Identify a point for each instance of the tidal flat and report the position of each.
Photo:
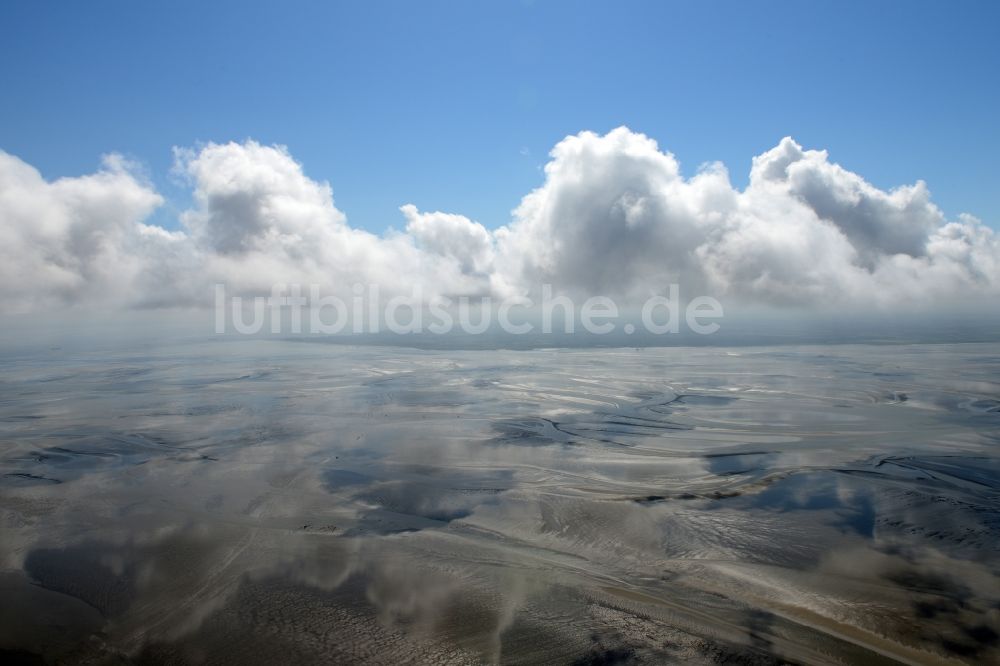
(268, 501)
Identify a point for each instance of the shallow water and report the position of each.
(256, 501)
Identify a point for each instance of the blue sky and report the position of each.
(453, 106)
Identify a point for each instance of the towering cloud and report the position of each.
(875, 222)
(72, 239)
(614, 216)
(258, 220)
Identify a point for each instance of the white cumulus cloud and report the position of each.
(613, 216)
(71, 239)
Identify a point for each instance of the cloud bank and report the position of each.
(614, 216)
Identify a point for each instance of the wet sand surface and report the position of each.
(277, 502)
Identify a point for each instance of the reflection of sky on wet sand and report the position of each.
(262, 501)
